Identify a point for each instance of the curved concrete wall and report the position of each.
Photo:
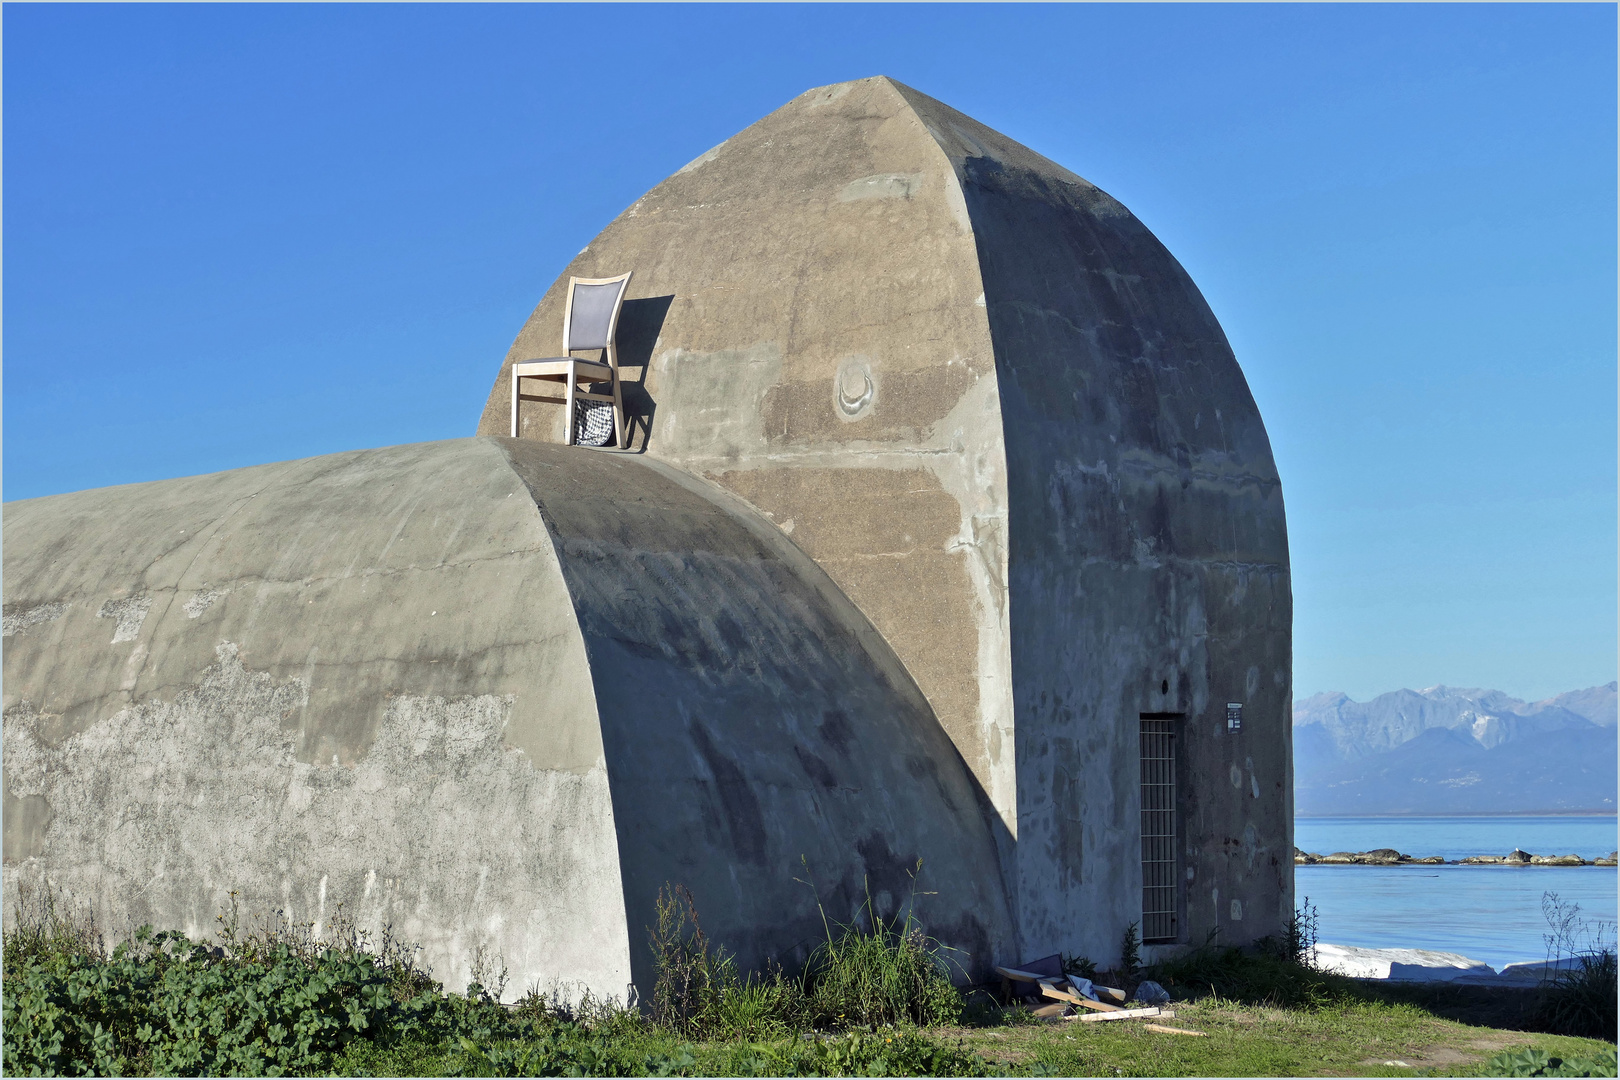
(353, 679)
(996, 411)
(1148, 562)
(756, 726)
(493, 693)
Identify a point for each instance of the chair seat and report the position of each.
(557, 367)
(579, 395)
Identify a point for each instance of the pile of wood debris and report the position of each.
(1070, 998)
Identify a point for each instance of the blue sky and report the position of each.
(238, 234)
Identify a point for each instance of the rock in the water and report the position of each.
(1384, 857)
(1339, 858)
(1518, 856)
(1430, 860)
(1557, 860)
(1482, 860)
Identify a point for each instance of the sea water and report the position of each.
(1454, 838)
(1489, 913)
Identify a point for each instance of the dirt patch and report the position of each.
(1448, 1055)
(1463, 1053)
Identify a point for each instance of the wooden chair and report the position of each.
(590, 320)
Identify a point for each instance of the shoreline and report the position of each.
(1396, 815)
(1403, 964)
(1391, 857)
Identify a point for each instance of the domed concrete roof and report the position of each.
(492, 692)
(1002, 418)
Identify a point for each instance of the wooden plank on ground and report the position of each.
(1020, 976)
(1100, 991)
(1075, 999)
(1127, 1014)
(1052, 991)
(1168, 1030)
(1099, 1006)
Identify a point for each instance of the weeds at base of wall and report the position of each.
(864, 975)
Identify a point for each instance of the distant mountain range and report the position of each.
(1447, 750)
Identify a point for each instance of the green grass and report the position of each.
(650, 1052)
(1349, 1039)
(1345, 1039)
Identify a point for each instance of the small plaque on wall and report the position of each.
(1234, 716)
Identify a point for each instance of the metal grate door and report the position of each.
(1158, 830)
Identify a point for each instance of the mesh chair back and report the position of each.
(591, 317)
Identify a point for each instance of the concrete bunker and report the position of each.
(951, 531)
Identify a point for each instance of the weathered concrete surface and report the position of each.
(985, 399)
(753, 719)
(492, 693)
(826, 355)
(1148, 564)
(353, 679)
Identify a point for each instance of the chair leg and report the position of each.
(620, 435)
(515, 378)
(568, 437)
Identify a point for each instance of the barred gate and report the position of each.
(1159, 896)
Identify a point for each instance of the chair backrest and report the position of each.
(592, 313)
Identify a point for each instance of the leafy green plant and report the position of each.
(1079, 966)
(265, 1002)
(1130, 952)
(167, 1005)
(1534, 1062)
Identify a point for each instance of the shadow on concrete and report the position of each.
(640, 322)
